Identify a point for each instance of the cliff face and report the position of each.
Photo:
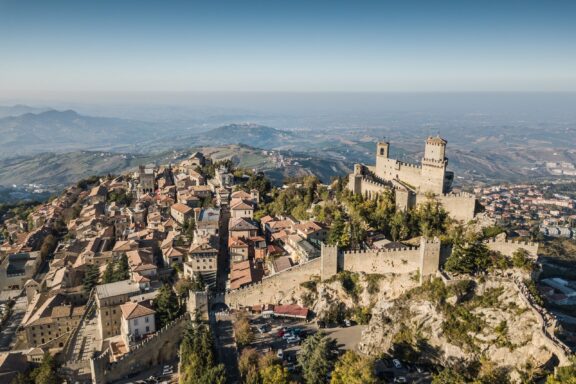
(464, 321)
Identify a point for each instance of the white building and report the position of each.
(137, 321)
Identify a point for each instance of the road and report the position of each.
(8, 334)
(226, 345)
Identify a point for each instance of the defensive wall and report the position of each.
(459, 206)
(508, 247)
(160, 348)
(273, 288)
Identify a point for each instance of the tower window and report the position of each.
(381, 151)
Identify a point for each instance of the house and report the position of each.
(312, 231)
(241, 208)
(238, 249)
(181, 213)
(244, 273)
(203, 259)
(207, 222)
(98, 194)
(137, 321)
(242, 228)
(141, 261)
(109, 298)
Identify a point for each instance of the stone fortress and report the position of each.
(413, 183)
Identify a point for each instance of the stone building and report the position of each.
(413, 184)
(109, 298)
(137, 321)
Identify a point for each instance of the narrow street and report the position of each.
(8, 334)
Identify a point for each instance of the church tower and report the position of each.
(434, 165)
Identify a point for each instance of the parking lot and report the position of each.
(347, 338)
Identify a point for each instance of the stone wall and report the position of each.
(272, 289)
(508, 247)
(402, 260)
(460, 206)
(160, 348)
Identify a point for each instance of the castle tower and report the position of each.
(382, 156)
(434, 165)
(429, 257)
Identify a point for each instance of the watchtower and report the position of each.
(434, 165)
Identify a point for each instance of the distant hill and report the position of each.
(61, 169)
(67, 130)
(19, 109)
(250, 134)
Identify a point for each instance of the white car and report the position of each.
(397, 363)
(293, 340)
(280, 354)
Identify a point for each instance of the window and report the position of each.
(147, 319)
(147, 328)
(135, 321)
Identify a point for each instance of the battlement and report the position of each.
(267, 278)
(514, 242)
(459, 195)
(376, 252)
(408, 165)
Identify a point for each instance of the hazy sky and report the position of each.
(270, 45)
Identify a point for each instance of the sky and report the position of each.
(73, 47)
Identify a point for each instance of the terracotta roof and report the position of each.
(291, 310)
(241, 205)
(132, 310)
(182, 208)
(241, 195)
(308, 227)
(242, 274)
(241, 224)
(234, 242)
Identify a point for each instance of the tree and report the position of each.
(91, 277)
(198, 365)
(21, 378)
(243, 331)
(248, 366)
(353, 369)
(122, 270)
(448, 376)
(316, 358)
(46, 373)
(564, 375)
(166, 306)
(274, 374)
(108, 276)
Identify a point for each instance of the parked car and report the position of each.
(400, 379)
(293, 340)
(288, 335)
(347, 323)
(280, 354)
(397, 363)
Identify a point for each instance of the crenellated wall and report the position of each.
(161, 347)
(508, 247)
(272, 289)
(460, 206)
(401, 260)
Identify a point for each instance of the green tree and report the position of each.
(198, 365)
(166, 306)
(46, 373)
(108, 276)
(316, 358)
(353, 369)
(274, 374)
(91, 277)
(449, 376)
(122, 270)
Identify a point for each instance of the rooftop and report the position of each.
(124, 287)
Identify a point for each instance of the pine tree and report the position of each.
(122, 271)
(91, 277)
(108, 276)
